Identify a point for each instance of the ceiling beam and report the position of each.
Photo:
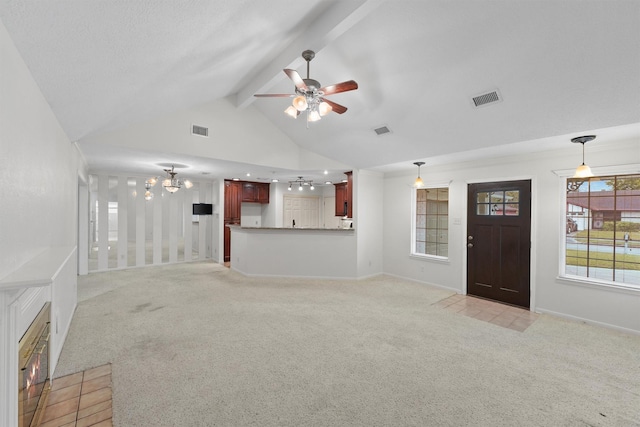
(329, 26)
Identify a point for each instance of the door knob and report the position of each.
(469, 245)
(470, 238)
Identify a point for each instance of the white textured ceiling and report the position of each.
(561, 67)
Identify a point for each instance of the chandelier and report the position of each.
(301, 183)
(170, 183)
(173, 184)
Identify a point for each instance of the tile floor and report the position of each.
(80, 400)
(499, 314)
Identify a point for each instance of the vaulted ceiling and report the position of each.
(560, 67)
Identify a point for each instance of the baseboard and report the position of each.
(422, 282)
(277, 276)
(588, 321)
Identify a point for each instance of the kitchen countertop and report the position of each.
(290, 228)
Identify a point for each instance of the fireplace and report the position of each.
(33, 370)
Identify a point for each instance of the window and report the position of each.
(431, 222)
(603, 228)
(498, 203)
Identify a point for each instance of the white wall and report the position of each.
(39, 174)
(600, 305)
(246, 137)
(368, 221)
(39, 168)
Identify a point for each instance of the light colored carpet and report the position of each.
(200, 345)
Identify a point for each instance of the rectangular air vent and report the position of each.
(486, 98)
(199, 130)
(382, 130)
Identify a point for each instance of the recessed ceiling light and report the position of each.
(275, 180)
(248, 174)
(327, 182)
(344, 180)
(326, 172)
(235, 179)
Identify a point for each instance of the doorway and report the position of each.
(499, 241)
(301, 211)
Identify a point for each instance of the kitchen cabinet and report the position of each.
(232, 200)
(232, 207)
(263, 193)
(255, 192)
(236, 193)
(344, 197)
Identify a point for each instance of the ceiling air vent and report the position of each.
(382, 130)
(199, 130)
(486, 98)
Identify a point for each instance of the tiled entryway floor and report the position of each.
(499, 314)
(80, 400)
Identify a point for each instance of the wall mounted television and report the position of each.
(202, 209)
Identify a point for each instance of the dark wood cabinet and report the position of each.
(344, 197)
(232, 207)
(255, 192)
(236, 193)
(342, 206)
(263, 193)
(232, 200)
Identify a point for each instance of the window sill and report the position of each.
(434, 258)
(598, 284)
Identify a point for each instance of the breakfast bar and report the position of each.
(328, 253)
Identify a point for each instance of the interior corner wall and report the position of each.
(594, 304)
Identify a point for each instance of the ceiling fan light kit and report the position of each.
(309, 94)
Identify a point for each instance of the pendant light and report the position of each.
(418, 183)
(583, 171)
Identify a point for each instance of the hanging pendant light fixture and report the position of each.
(583, 171)
(418, 182)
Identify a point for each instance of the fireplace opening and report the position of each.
(33, 369)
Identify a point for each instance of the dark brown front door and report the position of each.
(499, 241)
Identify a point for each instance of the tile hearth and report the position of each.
(80, 400)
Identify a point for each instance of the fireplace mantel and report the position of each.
(49, 277)
(40, 271)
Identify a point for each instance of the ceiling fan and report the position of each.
(309, 95)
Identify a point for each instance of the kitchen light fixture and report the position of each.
(418, 183)
(301, 183)
(582, 171)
